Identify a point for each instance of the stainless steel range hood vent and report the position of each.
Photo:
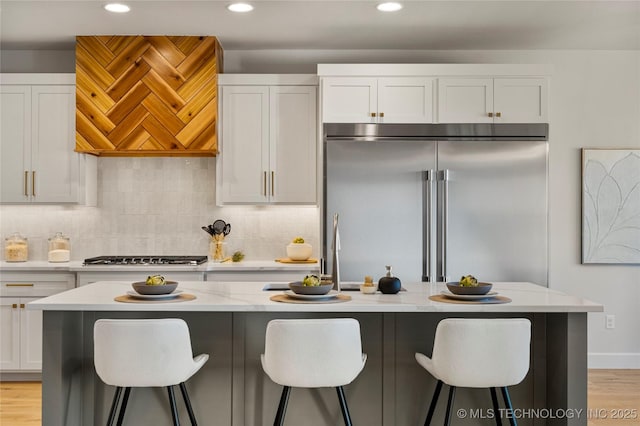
(454, 131)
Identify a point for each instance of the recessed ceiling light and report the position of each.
(390, 6)
(117, 7)
(240, 7)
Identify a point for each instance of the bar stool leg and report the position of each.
(343, 406)
(434, 401)
(507, 401)
(282, 407)
(114, 406)
(452, 394)
(123, 406)
(187, 402)
(496, 408)
(174, 408)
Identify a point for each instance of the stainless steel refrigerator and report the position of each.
(437, 201)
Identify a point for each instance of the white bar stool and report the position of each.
(313, 353)
(478, 353)
(145, 353)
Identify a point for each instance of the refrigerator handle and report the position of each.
(428, 176)
(444, 234)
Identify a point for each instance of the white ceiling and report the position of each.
(338, 24)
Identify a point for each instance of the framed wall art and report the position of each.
(611, 206)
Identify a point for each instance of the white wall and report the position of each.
(595, 102)
(37, 61)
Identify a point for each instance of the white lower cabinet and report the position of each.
(21, 335)
(9, 333)
(21, 328)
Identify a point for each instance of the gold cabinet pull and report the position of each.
(273, 179)
(381, 115)
(19, 285)
(498, 114)
(22, 305)
(33, 183)
(14, 306)
(373, 114)
(265, 184)
(490, 114)
(26, 178)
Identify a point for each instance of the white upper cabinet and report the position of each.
(292, 156)
(54, 164)
(377, 100)
(244, 145)
(520, 100)
(405, 100)
(488, 100)
(465, 100)
(38, 163)
(268, 145)
(349, 100)
(15, 143)
(434, 93)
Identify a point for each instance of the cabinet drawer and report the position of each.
(35, 284)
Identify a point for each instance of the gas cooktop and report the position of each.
(145, 260)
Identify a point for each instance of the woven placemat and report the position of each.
(286, 299)
(287, 260)
(125, 298)
(490, 300)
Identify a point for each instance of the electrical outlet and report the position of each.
(610, 321)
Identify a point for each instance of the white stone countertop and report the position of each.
(249, 297)
(77, 266)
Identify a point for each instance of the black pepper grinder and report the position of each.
(389, 284)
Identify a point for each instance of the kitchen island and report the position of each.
(228, 321)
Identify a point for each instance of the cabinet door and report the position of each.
(465, 100)
(15, 143)
(520, 100)
(9, 333)
(30, 337)
(405, 100)
(245, 144)
(293, 144)
(54, 163)
(349, 100)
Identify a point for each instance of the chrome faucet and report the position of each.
(335, 248)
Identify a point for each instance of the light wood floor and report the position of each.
(616, 395)
(612, 394)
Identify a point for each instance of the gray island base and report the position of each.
(228, 321)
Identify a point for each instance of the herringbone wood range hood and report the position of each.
(147, 95)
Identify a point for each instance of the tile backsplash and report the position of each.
(157, 206)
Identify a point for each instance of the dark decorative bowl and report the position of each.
(141, 287)
(481, 288)
(298, 288)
